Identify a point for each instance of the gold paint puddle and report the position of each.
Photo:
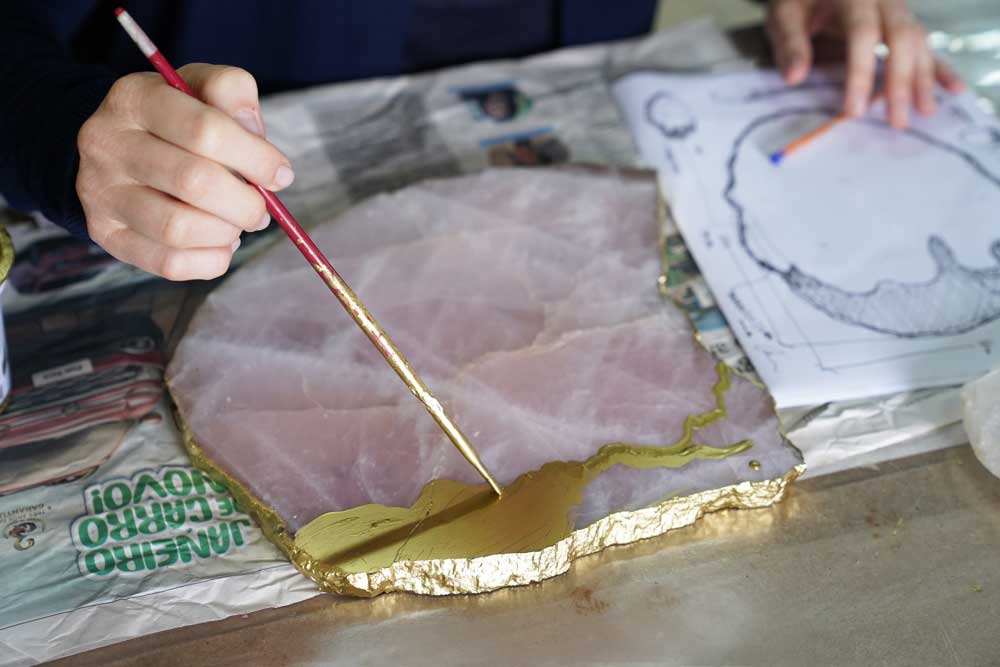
(460, 538)
(455, 520)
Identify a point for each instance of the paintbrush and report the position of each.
(348, 299)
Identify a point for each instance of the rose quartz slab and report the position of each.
(527, 301)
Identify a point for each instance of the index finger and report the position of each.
(861, 23)
(907, 45)
(786, 25)
(208, 132)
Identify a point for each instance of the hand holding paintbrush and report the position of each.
(159, 172)
(203, 140)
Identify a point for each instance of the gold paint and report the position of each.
(666, 292)
(501, 570)
(454, 520)
(661, 245)
(754, 465)
(459, 538)
(6, 262)
(6, 253)
(388, 349)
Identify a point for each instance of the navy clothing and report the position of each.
(58, 58)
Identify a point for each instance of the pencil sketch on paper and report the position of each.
(670, 116)
(757, 93)
(866, 263)
(673, 120)
(980, 135)
(956, 299)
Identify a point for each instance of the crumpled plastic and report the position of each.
(970, 40)
(981, 413)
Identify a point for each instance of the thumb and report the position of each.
(232, 90)
(788, 27)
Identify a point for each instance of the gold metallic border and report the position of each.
(489, 573)
(448, 576)
(6, 262)
(662, 206)
(6, 253)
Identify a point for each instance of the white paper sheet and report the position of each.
(865, 264)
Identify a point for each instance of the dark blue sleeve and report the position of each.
(46, 98)
(585, 22)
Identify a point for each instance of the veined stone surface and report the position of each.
(527, 301)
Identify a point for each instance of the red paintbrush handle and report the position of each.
(309, 250)
(169, 74)
(305, 244)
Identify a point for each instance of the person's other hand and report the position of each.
(157, 176)
(911, 68)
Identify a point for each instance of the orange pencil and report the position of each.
(779, 155)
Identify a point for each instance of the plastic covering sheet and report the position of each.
(967, 34)
(981, 411)
(134, 540)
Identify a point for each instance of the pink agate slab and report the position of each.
(527, 300)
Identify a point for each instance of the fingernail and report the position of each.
(251, 121)
(236, 244)
(264, 222)
(284, 177)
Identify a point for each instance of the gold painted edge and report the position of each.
(661, 213)
(490, 573)
(270, 523)
(6, 253)
(451, 576)
(6, 262)
(662, 206)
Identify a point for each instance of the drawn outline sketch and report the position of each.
(673, 119)
(891, 317)
(898, 309)
(670, 116)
